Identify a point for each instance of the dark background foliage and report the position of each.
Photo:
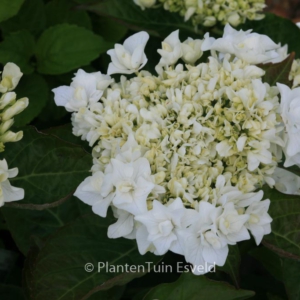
(46, 239)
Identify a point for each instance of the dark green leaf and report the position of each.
(278, 72)
(279, 29)
(291, 278)
(114, 293)
(65, 47)
(8, 260)
(232, 264)
(9, 8)
(64, 132)
(27, 275)
(109, 29)
(18, 48)
(35, 88)
(63, 11)
(193, 287)
(52, 115)
(39, 224)
(84, 1)
(49, 169)
(59, 268)
(10, 292)
(274, 297)
(30, 17)
(2, 226)
(285, 236)
(269, 260)
(159, 21)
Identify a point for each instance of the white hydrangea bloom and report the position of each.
(259, 222)
(132, 185)
(253, 48)
(8, 193)
(129, 57)
(231, 224)
(163, 222)
(96, 190)
(290, 111)
(202, 242)
(191, 50)
(178, 155)
(86, 88)
(171, 49)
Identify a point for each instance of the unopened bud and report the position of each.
(10, 136)
(15, 109)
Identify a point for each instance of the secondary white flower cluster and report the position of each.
(178, 155)
(209, 12)
(9, 107)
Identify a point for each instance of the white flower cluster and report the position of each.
(9, 107)
(209, 12)
(178, 156)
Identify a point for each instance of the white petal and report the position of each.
(13, 172)
(63, 95)
(217, 256)
(140, 38)
(141, 237)
(11, 193)
(100, 208)
(122, 227)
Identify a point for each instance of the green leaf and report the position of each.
(278, 72)
(9, 8)
(18, 47)
(279, 29)
(269, 260)
(285, 236)
(84, 1)
(291, 278)
(159, 21)
(10, 292)
(65, 47)
(30, 17)
(109, 29)
(232, 264)
(64, 132)
(28, 269)
(40, 223)
(115, 293)
(193, 287)
(35, 88)
(49, 169)
(8, 260)
(63, 11)
(2, 227)
(59, 268)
